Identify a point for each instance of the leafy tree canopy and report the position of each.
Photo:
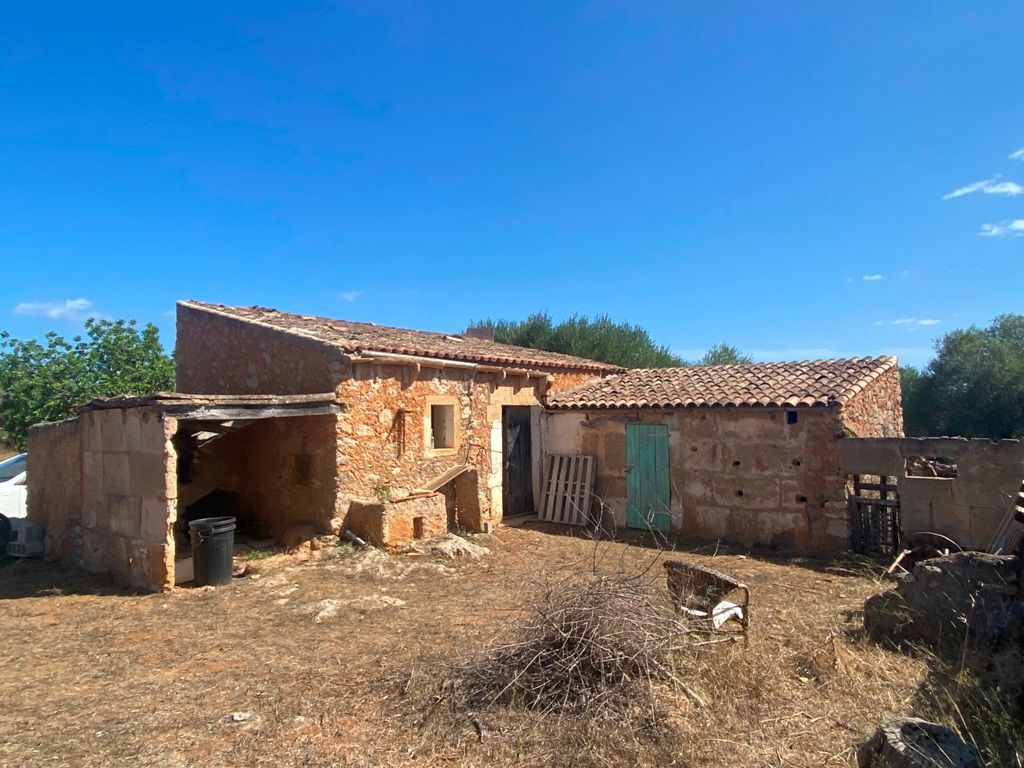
(974, 387)
(724, 354)
(43, 381)
(600, 338)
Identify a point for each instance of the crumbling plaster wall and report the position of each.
(282, 469)
(967, 508)
(877, 411)
(129, 498)
(383, 438)
(55, 485)
(218, 354)
(793, 494)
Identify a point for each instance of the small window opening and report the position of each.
(791, 417)
(693, 448)
(797, 462)
(417, 527)
(739, 493)
(801, 499)
(736, 463)
(931, 466)
(442, 426)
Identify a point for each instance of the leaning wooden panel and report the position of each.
(568, 488)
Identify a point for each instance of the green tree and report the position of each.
(975, 385)
(599, 338)
(915, 415)
(44, 381)
(724, 354)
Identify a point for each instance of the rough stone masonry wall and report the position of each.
(216, 354)
(744, 475)
(878, 410)
(383, 437)
(129, 495)
(55, 485)
(967, 508)
(282, 470)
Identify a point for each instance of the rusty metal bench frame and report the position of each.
(696, 587)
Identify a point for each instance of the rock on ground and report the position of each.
(908, 742)
(451, 546)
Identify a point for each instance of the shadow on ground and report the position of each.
(31, 577)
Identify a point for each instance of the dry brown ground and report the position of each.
(97, 677)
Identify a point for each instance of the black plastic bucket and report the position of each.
(213, 543)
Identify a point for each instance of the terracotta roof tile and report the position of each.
(813, 383)
(353, 338)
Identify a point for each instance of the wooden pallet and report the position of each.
(1008, 535)
(568, 489)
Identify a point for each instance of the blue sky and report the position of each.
(777, 175)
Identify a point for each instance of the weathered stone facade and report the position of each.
(745, 475)
(55, 486)
(107, 500)
(878, 410)
(219, 354)
(387, 523)
(765, 476)
(383, 437)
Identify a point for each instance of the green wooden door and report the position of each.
(647, 477)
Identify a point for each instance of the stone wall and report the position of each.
(55, 485)
(219, 354)
(943, 598)
(397, 523)
(129, 495)
(744, 475)
(282, 471)
(384, 437)
(967, 508)
(877, 411)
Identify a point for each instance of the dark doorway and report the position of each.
(518, 460)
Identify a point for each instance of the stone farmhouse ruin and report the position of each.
(303, 426)
(744, 452)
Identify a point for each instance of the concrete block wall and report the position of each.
(745, 475)
(967, 508)
(129, 495)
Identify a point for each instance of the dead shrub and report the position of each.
(588, 644)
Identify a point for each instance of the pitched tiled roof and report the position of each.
(805, 384)
(354, 338)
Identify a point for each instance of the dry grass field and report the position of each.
(336, 660)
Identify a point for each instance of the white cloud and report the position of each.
(349, 295)
(69, 309)
(1018, 155)
(909, 321)
(1007, 228)
(989, 186)
(874, 277)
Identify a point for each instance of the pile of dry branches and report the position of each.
(588, 644)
